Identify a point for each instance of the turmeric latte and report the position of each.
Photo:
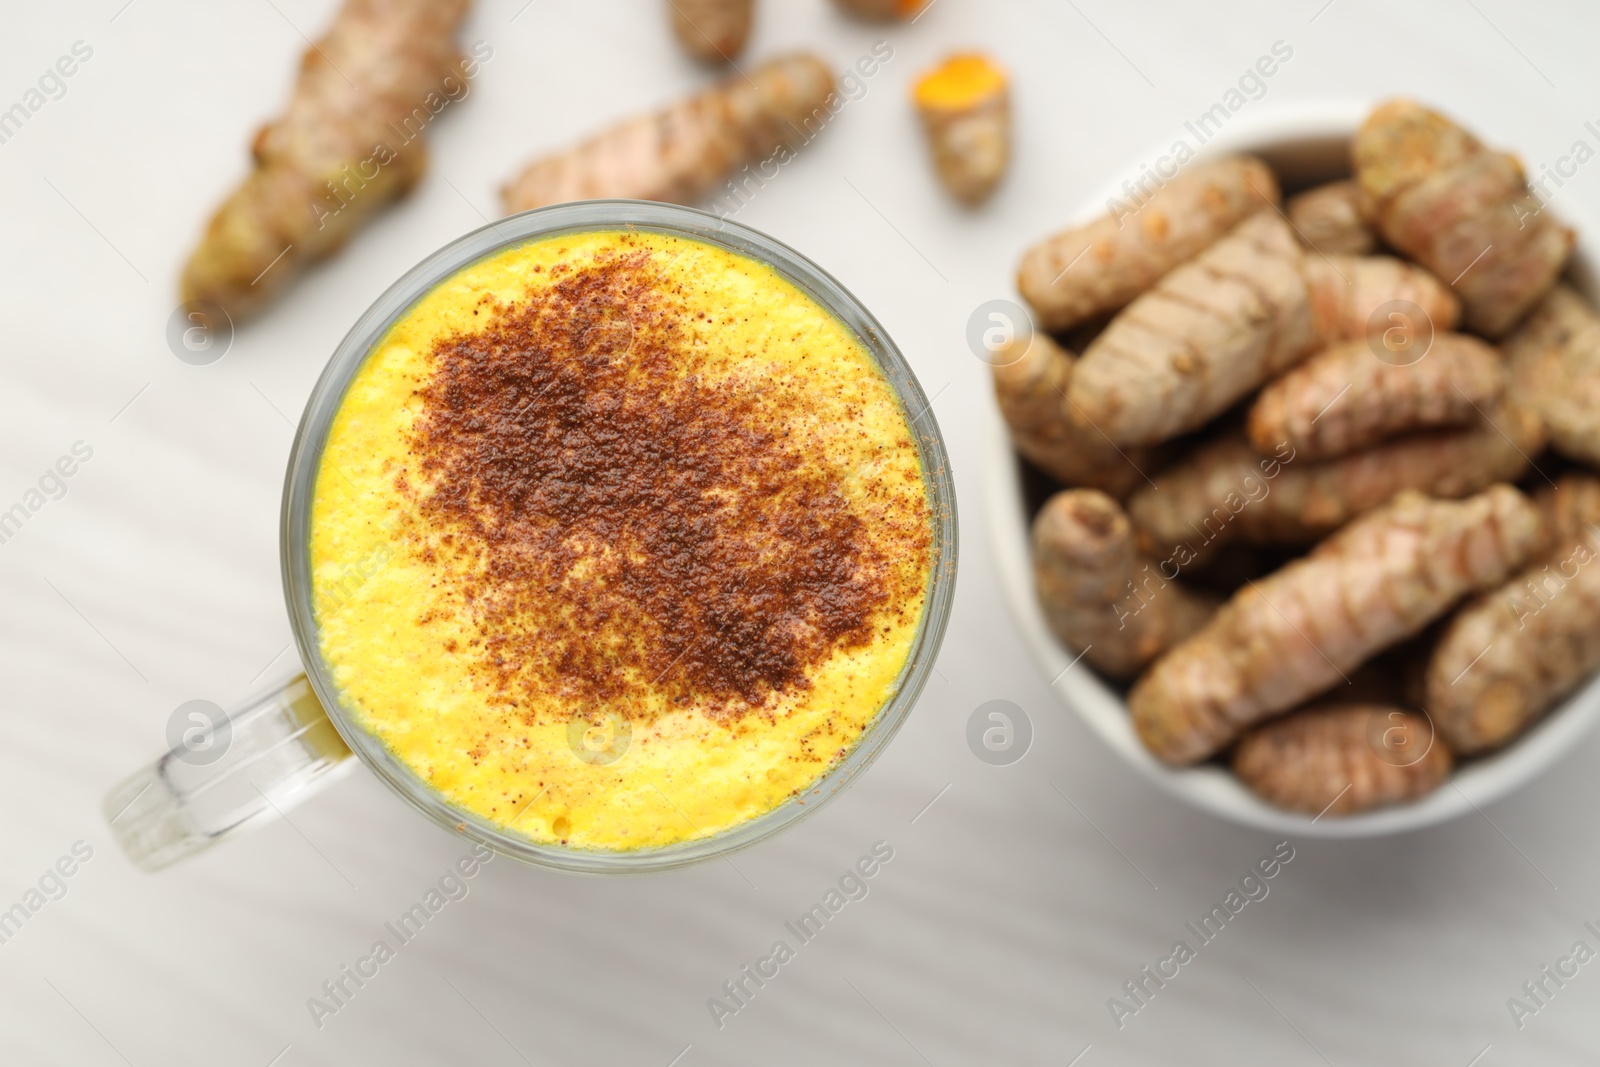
(618, 540)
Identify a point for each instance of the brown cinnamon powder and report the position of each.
(621, 527)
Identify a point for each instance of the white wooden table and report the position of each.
(1007, 916)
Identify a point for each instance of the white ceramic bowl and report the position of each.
(1303, 143)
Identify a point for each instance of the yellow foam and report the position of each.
(410, 682)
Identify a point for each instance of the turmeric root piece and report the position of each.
(1345, 399)
(1349, 292)
(1341, 759)
(965, 106)
(1300, 630)
(1554, 361)
(882, 10)
(679, 155)
(1100, 267)
(1031, 389)
(1207, 334)
(1245, 309)
(1437, 194)
(364, 93)
(1328, 219)
(1099, 594)
(1227, 490)
(1508, 656)
(713, 31)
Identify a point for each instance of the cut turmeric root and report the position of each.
(1340, 759)
(1298, 631)
(1328, 219)
(713, 31)
(1099, 594)
(681, 154)
(965, 105)
(1100, 267)
(1031, 378)
(1345, 399)
(1227, 491)
(1511, 654)
(1554, 361)
(1438, 195)
(348, 143)
(882, 10)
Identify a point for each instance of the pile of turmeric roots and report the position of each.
(1293, 436)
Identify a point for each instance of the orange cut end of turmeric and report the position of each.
(960, 82)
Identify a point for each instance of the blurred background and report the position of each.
(1019, 897)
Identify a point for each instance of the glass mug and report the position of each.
(277, 747)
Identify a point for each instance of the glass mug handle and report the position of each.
(245, 766)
